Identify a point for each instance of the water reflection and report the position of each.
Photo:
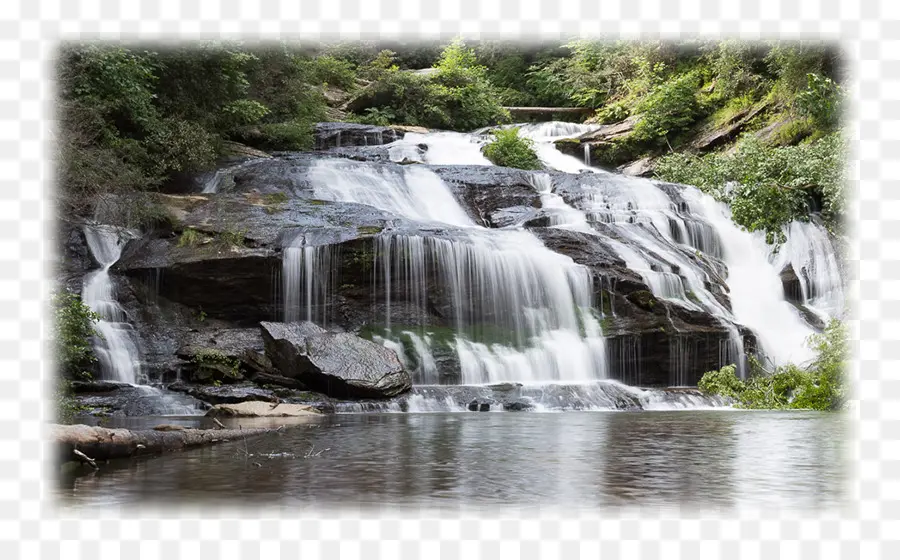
(705, 458)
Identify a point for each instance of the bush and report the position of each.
(821, 386)
(822, 101)
(671, 107)
(72, 329)
(508, 149)
(767, 187)
(458, 96)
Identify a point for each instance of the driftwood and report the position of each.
(88, 444)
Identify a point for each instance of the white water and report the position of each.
(809, 252)
(503, 280)
(509, 279)
(115, 347)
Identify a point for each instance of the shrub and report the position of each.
(822, 101)
(457, 96)
(508, 149)
(767, 187)
(189, 238)
(671, 107)
(821, 386)
(72, 329)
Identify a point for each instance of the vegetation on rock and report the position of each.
(73, 327)
(509, 149)
(822, 385)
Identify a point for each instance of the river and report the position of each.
(704, 458)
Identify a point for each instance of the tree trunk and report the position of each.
(101, 444)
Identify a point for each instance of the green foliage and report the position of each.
(671, 107)
(190, 238)
(511, 150)
(722, 382)
(132, 119)
(213, 358)
(72, 329)
(231, 238)
(456, 96)
(767, 186)
(64, 397)
(820, 386)
(821, 101)
(734, 65)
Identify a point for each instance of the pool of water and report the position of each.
(718, 458)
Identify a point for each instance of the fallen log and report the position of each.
(80, 442)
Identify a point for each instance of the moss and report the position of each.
(217, 362)
(231, 238)
(369, 230)
(317, 202)
(643, 299)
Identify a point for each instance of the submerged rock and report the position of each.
(339, 365)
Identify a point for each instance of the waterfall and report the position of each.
(587, 154)
(809, 251)
(521, 312)
(115, 347)
(534, 304)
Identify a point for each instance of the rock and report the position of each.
(233, 343)
(254, 409)
(408, 128)
(338, 134)
(225, 394)
(278, 380)
(640, 168)
(718, 135)
(479, 406)
(97, 386)
(792, 284)
(340, 365)
(518, 406)
(240, 150)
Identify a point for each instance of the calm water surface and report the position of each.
(593, 459)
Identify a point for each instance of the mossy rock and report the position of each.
(643, 299)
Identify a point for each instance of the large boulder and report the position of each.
(340, 365)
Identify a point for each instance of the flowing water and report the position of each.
(726, 459)
(505, 277)
(115, 345)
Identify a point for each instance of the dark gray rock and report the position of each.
(225, 394)
(340, 365)
(341, 134)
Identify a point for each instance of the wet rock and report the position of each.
(479, 406)
(339, 365)
(130, 400)
(225, 394)
(518, 406)
(338, 134)
(96, 386)
(792, 284)
(233, 343)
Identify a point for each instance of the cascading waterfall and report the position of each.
(521, 312)
(115, 347)
(502, 282)
(809, 252)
